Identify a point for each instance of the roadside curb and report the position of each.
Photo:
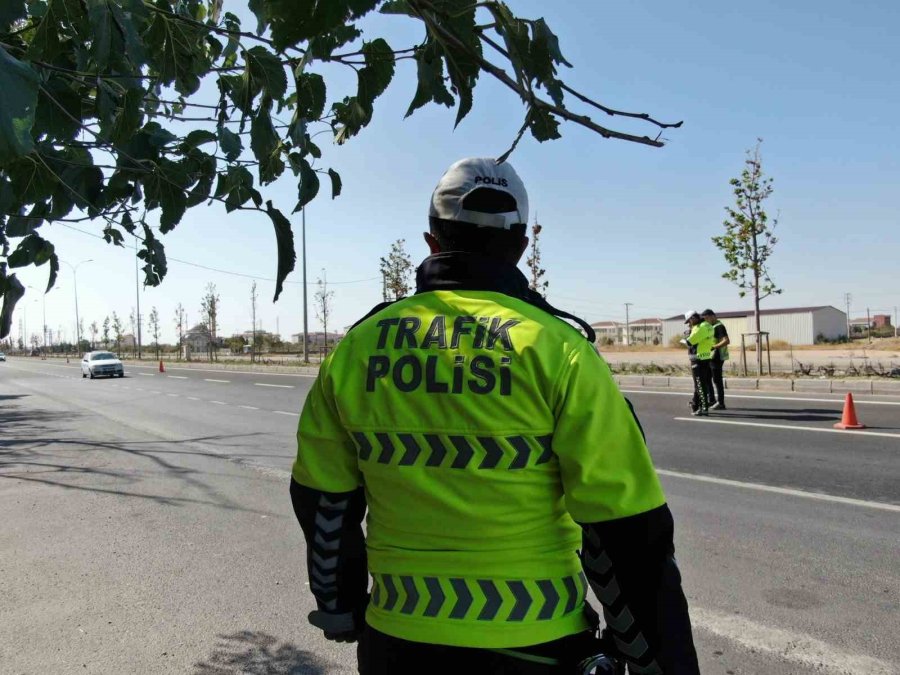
(823, 386)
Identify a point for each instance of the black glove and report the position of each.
(337, 627)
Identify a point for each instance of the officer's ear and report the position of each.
(523, 246)
(433, 246)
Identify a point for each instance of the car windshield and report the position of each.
(102, 356)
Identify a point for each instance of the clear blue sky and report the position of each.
(818, 81)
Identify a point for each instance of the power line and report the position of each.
(218, 270)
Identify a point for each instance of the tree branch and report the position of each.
(535, 101)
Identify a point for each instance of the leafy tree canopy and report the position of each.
(103, 117)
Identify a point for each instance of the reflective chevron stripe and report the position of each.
(506, 600)
(325, 549)
(625, 630)
(454, 451)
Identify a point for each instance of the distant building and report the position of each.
(316, 338)
(197, 338)
(640, 331)
(794, 325)
(864, 323)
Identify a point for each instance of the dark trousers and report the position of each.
(381, 654)
(718, 381)
(702, 374)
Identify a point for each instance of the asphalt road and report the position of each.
(146, 527)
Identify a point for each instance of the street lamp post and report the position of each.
(74, 269)
(44, 337)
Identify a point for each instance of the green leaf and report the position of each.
(230, 143)
(309, 185)
(378, 72)
(12, 291)
(543, 125)
(19, 84)
(335, 183)
(54, 272)
(85, 184)
(396, 7)
(10, 12)
(310, 96)
(58, 111)
(258, 7)
(285, 240)
(200, 192)
(543, 35)
(265, 144)
(112, 236)
(431, 86)
(197, 138)
(154, 255)
(32, 250)
(266, 71)
(19, 226)
(293, 21)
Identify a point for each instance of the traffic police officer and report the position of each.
(489, 443)
(700, 342)
(719, 357)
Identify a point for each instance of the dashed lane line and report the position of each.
(209, 379)
(278, 386)
(284, 412)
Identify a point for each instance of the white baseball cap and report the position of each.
(688, 315)
(473, 173)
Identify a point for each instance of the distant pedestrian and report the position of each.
(719, 357)
(699, 342)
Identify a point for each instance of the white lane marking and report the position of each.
(192, 398)
(248, 407)
(280, 386)
(283, 412)
(177, 377)
(220, 370)
(174, 395)
(219, 402)
(838, 401)
(788, 646)
(794, 427)
(883, 506)
(208, 379)
(146, 374)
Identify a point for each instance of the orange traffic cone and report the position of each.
(162, 368)
(848, 419)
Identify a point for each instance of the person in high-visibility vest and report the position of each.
(489, 443)
(700, 346)
(719, 357)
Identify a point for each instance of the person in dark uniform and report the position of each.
(699, 341)
(719, 357)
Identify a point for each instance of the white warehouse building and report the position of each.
(794, 325)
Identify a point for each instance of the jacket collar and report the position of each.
(460, 271)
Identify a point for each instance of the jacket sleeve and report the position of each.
(612, 491)
(330, 504)
(695, 336)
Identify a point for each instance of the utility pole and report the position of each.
(847, 299)
(627, 324)
(868, 324)
(137, 294)
(895, 322)
(305, 315)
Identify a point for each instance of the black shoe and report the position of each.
(704, 412)
(712, 403)
(718, 406)
(692, 406)
(697, 412)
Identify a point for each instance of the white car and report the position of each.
(101, 364)
(2, 356)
